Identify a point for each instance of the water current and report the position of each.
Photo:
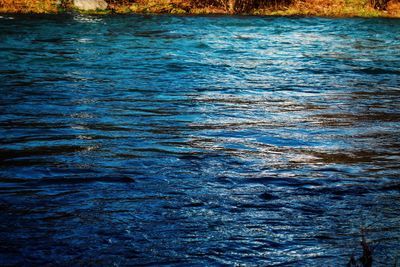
(198, 141)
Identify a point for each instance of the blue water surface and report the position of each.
(198, 141)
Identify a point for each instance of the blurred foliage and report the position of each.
(343, 8)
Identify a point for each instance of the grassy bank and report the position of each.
(328, 8)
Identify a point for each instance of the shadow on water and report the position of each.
(141, 140)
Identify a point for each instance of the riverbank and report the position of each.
(322, 8)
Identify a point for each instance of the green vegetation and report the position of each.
(331, 8)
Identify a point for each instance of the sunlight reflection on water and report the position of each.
(130, 140)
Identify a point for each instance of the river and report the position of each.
(198, 141)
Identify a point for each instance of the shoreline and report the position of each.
(334, 9)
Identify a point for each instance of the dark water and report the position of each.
(192, 141)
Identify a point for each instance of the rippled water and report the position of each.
(160, 140)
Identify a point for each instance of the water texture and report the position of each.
(193, 141)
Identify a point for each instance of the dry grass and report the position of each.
(159, 6)
(28, 6)
(393, 8)
(316, 8)
(331, 8)
(336, 8)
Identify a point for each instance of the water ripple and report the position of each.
(162, 140)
